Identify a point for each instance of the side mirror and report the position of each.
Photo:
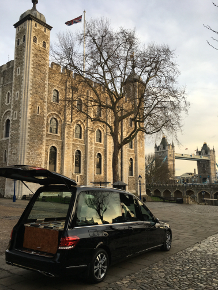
(157, 220)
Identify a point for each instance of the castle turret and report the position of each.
(29, 92)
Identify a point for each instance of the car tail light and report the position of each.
(68, 242)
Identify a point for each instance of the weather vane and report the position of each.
(34, 4)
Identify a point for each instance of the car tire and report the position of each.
(98, 266)
(167, 241)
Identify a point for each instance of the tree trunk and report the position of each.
(115, 155)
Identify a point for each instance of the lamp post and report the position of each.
(140, 183)
(14, 196)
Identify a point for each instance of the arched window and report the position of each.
(98, 136)
(44, 44)
(55, 96)
(54, 126)
(130, 167)
(98, 164)
(79, 105)
(7, 128)
(52, 158)
(131, 144)
(77, 161)
(78, 132)
(35, 39)
(24, 38)
(8, 96)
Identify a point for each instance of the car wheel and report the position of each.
(98, 267)
(167, 242)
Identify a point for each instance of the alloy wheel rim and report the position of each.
(100, 266)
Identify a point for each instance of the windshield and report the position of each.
(50, 206)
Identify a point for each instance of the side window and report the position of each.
(98, 207)
(145, 212)
(130, 210)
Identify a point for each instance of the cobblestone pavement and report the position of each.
(193, 268)
(191, 263)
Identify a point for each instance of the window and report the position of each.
(98, 164)
(98, 136)
(77, 161)
(79, 105)
(98, 112)
(8, 98)
(7, 128)
(35, 24)
(34, 39)
(17, 96)
(130, 167)
(24, 38)
(145, 212)
(15, 115)
(18, 71)
(98, 207)
(54, 126)
(44, 44)
(78, 132)
(44, 29)
(55, 96)
(52, 158)
(130, 122)
(5, 156)
(38, 110)
(18, 42)
(130, 208)
(131, 144)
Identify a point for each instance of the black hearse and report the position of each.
(66, 228)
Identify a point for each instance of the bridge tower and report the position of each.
(206, 168)
(166, 152)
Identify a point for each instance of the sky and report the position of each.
(179, 24)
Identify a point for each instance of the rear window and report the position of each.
(51, 206)
(98, 207)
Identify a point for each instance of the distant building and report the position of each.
(205, 158)
(166, 152)
(206, 169)
(189, 177)
(39, 127)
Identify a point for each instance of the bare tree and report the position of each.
(99, 202)
(156, 170)
(128, 82)
(214, 31)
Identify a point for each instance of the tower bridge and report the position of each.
(205, 158)
(191, 157)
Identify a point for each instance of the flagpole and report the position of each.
(84, 43)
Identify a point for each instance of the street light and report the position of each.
(140, 182)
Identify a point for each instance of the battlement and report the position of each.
(6, 66)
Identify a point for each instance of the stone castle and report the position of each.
(39, 126)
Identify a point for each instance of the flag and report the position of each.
(74, 21)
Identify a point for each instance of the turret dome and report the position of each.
(33, 12)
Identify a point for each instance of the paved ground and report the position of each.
(191, 264)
